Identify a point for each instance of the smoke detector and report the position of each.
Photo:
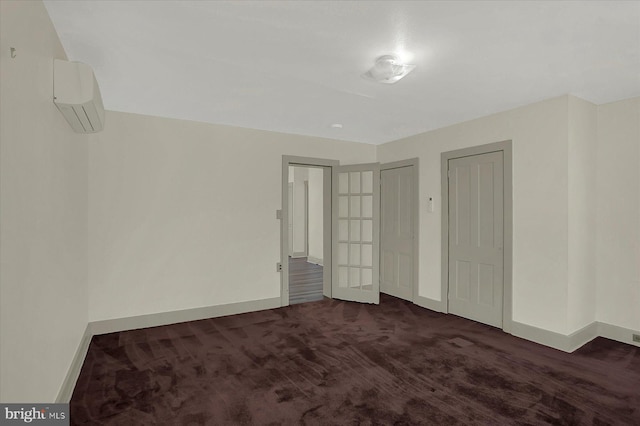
(388, 69)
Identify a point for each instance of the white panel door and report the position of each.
(396, 232)
(476, 237)
(356, 220)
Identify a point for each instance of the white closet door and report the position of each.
(476, 237)
(397, 233)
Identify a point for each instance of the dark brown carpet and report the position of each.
(342, 363)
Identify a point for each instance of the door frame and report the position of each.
(415, 162)
(305, 219)
(327, 166)
(507, 156)
(290, 193)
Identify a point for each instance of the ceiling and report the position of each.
(295, 67)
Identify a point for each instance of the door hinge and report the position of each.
(449, 174)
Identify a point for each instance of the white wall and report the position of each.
(618, 214)
(540, 203)
(576, 212)
(582, 137)
(300, 176)
(173, 226)
(314, 246)
(168, 224)
(43, 221)
(316, 202)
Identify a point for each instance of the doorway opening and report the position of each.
(306, 233)
(347, 261)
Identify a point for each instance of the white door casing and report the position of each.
(290, 218)
(306, 218)
(288, 162)
(476, 218)
(397, 233)
(356, 232)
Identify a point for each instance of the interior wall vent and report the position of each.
(77, 96)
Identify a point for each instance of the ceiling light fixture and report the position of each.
(388, 69)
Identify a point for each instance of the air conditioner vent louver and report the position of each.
(77, 96)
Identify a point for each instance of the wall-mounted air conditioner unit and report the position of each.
(77, 96)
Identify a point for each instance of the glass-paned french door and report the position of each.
(356, 218)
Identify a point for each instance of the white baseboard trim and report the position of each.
(539, 335)
(315, 260)
(566, 343)
(573, 341)
(620, 334)
(298, 254)
(69, 383)
(581, 337)
(151, 320)
(563, 342)
(425, 302)
(164, 318)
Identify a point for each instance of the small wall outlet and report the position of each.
(636, 338)
(278, 267)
